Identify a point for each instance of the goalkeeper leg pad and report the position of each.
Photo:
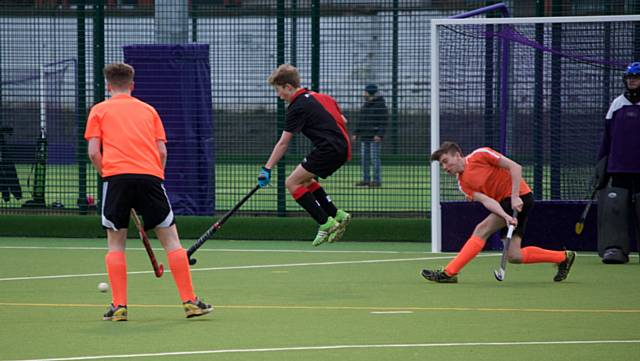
(613, 224)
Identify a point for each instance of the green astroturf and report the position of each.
(290, 301)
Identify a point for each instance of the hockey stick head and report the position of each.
(499, 274)
(159, 271)
(192, 261)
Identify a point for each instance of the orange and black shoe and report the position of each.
(196, 308)
(114, 313)
(439, 276)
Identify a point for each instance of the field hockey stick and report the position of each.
(503, 260)
(583, 216)
(216, 226)
(158, 269)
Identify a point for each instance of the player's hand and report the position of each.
(510, 220)
(516, 204)
(377, 139)
(264, 177)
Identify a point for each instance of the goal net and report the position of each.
(535, 89)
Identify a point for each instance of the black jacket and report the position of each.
(373, 119)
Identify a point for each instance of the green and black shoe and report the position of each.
(439, 276)
(343, 219)
(565, 266)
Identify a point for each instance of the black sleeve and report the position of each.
(295, 119)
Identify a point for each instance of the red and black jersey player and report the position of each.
(319, 118)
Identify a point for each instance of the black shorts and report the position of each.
(523, 216)
(144, 193)
(324, 162)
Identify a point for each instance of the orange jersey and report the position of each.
(128, 129)
(483, 174)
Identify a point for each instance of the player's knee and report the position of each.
(515, 259)
(482, 230)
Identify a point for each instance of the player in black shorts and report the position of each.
(320, 119)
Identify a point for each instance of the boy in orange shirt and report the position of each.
(494, 180)
(127, 148)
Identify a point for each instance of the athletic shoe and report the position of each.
(362, 184)
(565, 266)
(115, 313)
(325, 231)
(343, 218)
(375, 184)
(196, 308)
(439, 276)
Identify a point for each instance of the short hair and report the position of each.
(445, 148)
(285, 74)
(119, 75)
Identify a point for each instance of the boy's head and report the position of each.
(285, 80)
(450, 157)
(119, 77)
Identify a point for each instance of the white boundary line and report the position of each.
(78, 248)
(341, 347)
(329, 263)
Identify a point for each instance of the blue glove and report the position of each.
(265, 177)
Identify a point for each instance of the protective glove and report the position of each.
(264, 177)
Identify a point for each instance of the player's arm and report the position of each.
(279, 149)
(515, 170)
(494, 207)
(162, 150)
(95, 155)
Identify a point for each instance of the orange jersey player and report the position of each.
(494, 180)
(127, 148)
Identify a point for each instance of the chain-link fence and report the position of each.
(52, 53)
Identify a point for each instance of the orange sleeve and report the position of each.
(488, 156)
(93, 125)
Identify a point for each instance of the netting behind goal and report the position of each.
(535, 89)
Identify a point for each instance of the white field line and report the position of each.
(78, 248)
(329, 263)
(343, 347)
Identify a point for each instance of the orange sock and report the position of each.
(117, 271)
(541, 255)
(471, 248)
(179, 264)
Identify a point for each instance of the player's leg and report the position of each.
(115, 219)
(156, 210)
(329, 207)
(296, 184)
(376, 164)
(471, 248)
(614, 209)
(532, 254)
(365, 159)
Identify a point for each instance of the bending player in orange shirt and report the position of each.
(494, 180)
(127, 147)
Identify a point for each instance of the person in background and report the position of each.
(370, 131)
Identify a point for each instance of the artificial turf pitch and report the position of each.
(290, 301)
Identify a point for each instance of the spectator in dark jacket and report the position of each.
(370, 131)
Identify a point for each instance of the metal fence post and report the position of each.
(81, 106)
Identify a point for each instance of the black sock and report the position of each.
(310, 204)
(325, 201)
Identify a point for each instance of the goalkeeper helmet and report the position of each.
(633, 69)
